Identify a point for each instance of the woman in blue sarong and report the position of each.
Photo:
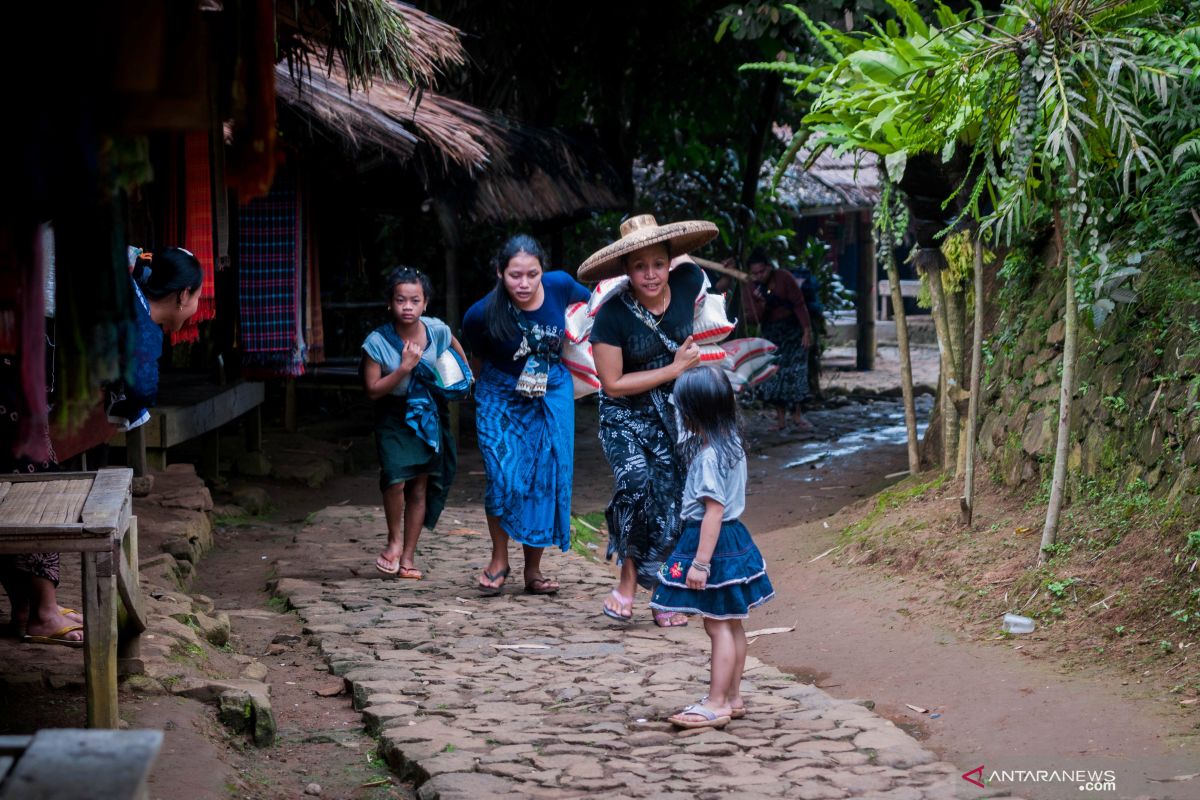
(525, 410)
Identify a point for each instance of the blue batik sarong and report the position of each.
(528, 446)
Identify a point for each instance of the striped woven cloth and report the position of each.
(269, 284)
(198, 228)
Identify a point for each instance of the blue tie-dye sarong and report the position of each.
(528, 446)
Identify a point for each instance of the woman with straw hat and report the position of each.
(642, 341)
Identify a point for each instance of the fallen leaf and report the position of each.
(1191, 702)
(769, 631)
(521, 646)
(1021, 531)
(1177, 778)
(827, 552)
(330, 689)
(463, 532)
(373, 784)
(917, 709)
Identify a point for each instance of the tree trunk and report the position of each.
(1065, 397)
(968, 506)
(906, 379)
(930, 259)
(864, 298)
(956, 317)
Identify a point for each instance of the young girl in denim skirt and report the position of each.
(715, 571)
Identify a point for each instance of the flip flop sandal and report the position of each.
(381, 565)
(530, 590)
(58, 637)
(734, 713)
(493, 591)
(663, 619)
(409, 573)
(624, 602)
(710, 718)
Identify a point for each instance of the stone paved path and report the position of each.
(534, 696)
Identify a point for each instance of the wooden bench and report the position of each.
(90, 513)
(188, 409)
(71, 764)
(907, 289)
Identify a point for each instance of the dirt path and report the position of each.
(861, 635)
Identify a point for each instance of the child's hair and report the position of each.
(166, 272)
(401, 275)
(498, 308)
(709, 413)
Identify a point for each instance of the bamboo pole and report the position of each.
(1065, 399)
(906, 379)
(968, 505)
(951, 386)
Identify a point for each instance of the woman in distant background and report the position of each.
(775, 301)
(525, 410)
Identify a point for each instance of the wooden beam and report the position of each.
(100, 639)
(107, 506)
(135, 450)
(130, 590)
(37, 477)
(864, 301)
(64, 764)
(253, 421)
(26, 542)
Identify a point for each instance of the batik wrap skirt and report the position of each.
(789, 386)
(528, 446)
(643, 517)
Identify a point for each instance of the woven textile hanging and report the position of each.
(268, 284)
(198, 227)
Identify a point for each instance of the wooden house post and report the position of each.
(864, 303)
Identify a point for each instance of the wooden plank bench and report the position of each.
(907, 289)
(190, 409)
(66, 764)
(90, 513)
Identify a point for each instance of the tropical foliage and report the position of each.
(1082, 113)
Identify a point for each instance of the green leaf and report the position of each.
(895, 163)
(724, 26)
(912, 18)
(880, 67)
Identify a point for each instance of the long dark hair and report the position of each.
(168, 271)
(709, 413)
(498, 310)
(404, 274)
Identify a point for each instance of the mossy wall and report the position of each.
(1136, 423)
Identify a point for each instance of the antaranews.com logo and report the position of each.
(1088, 780)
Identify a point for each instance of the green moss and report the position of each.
(893, 498)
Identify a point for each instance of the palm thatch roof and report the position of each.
(494, 169)
(367, 40)
(830, 184)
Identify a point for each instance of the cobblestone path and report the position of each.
(533, 696)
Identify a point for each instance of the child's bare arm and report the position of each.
(710, 531)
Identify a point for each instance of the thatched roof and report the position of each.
(831, 184)
(495, 170)
(367, 39)
(542, 175)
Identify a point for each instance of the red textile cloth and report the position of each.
(251, 163)
(198, 227)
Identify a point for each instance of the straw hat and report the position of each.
(642, 231)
